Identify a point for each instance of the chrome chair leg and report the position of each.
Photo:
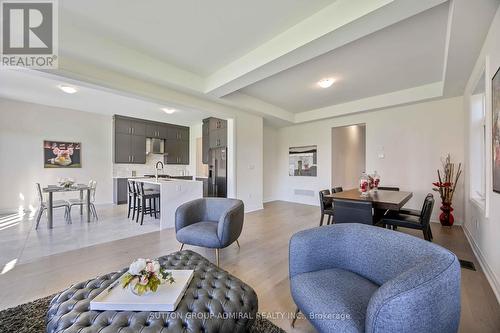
(238, 243)
(38, 217)
(182, 246)
(217, 256)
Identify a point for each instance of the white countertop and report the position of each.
(165, 181)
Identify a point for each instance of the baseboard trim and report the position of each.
(490, 276)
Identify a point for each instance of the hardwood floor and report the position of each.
(262, 262)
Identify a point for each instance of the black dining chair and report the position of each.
(388, 188)
(422, 222)
(337, 189)
(348, 211)
(326, 206)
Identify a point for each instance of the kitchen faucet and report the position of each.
(156, 169)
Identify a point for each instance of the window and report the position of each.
(478, 144)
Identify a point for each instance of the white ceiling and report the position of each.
(197, 35)
(35, 87)
(405, 55)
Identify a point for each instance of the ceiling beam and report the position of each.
(412, 95)
(336, 25)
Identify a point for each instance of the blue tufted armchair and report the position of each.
(209, 222)
(359, 278)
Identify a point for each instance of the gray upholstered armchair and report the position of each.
(358, 278)
(209, 222)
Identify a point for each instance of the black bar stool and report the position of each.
(146, 202)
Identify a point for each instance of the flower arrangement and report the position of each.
(446, 185)
(145, 275)
(66, 182)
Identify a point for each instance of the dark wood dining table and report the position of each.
(55, 189)
(382, 199)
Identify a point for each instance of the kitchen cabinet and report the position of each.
(129, 126)
(214, 135)
(176, 152)
(120, 191)
(130, 140)
(205, 145)
(178, 133)
(130, 148)
(158, 131)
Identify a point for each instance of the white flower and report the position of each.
(156, 266)
(137, 266)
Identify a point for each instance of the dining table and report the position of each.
(381, 199)
(50, 190)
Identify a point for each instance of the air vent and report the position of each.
(307, 193)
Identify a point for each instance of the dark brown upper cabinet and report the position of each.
(130, 140)
(214, 135)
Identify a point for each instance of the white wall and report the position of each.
(24, 127)
(270, 142)
(482, 226)
(413, 139)
(249, 160)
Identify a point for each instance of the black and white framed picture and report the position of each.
(495, 107)
(302, 161)
(58, 154)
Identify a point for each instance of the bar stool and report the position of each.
(132, 198)
(325, 206)
(146, 202)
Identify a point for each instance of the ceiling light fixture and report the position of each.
(326, 83)
(68, 89)
(167, 110)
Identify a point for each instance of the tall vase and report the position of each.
(446, 218)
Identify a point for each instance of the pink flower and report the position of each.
(150, 267)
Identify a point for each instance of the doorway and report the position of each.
(348, 155)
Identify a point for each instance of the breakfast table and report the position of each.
(56, 189)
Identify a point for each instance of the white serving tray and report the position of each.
(166, 298)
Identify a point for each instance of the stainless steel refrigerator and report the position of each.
(217, 172)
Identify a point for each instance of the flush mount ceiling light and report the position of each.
(325, 83)
(67, 89)
(167, 110)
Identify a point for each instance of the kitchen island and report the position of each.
(173, 193)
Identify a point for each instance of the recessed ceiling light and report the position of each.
(325, 83)
(167, 110)
(68, 89)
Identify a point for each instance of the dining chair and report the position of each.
(325, 206)
(348, 211)
(146, 202)
(337, 189)
(83, 201)
(43, 205)
(414, 212)
(421, 222)
(388, 188)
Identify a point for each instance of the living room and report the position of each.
(267, 158)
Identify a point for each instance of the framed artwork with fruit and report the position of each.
(58, 154)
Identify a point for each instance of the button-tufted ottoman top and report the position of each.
(215, 301)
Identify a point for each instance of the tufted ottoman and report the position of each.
(215, 301)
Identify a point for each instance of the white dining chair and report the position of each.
(83, 201)
(43, 205)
